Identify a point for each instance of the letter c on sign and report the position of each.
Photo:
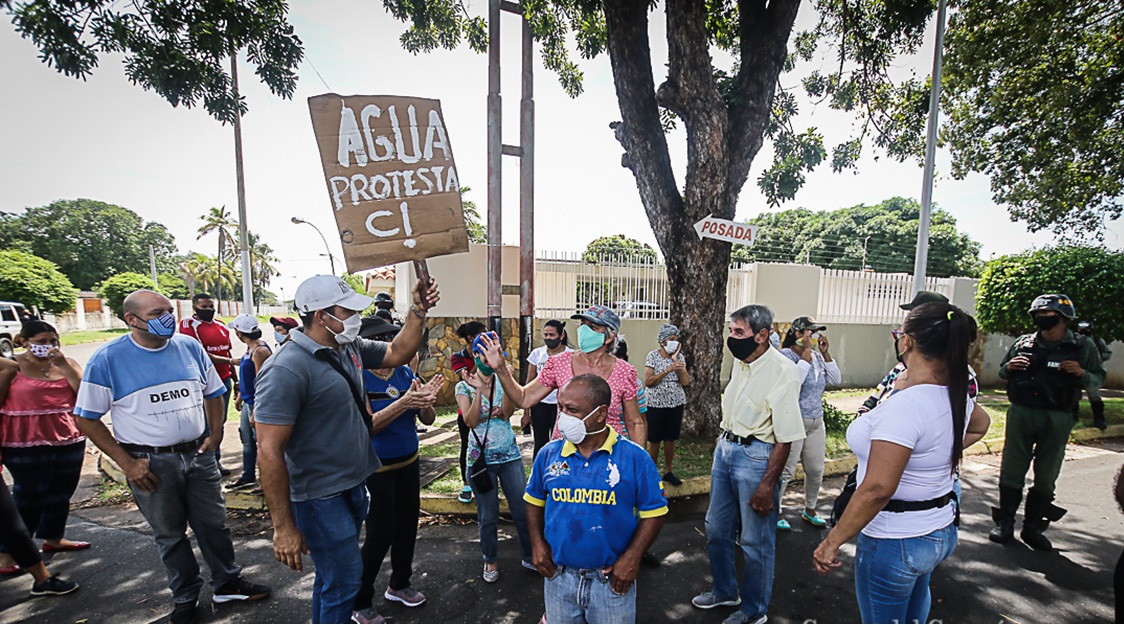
(377, 232)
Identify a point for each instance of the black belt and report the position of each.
(179, 448)
(741, 440)
(897, 505)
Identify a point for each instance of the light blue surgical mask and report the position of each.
(280, 337)
(590, 340)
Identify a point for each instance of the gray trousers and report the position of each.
(810, 451)
(190, 491)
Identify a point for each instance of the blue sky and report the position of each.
(109, 140)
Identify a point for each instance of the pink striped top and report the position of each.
(38, 412)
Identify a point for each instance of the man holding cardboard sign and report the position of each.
(389, 170)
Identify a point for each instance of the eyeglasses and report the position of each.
(897, 333)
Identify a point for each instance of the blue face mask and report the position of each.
(280, 337)
(163, 326)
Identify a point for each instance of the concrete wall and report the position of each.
(462, 279)
(791, 291)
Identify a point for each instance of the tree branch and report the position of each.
(640, 132)
(764, 33)
(691, 92)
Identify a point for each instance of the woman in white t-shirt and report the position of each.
(541, 416)
(904, 508)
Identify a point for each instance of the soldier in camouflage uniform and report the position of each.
(1044, 372)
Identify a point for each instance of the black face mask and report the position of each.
(741, 348)
(897, 354)
(1046, 322)
(205, 315)
(552, 343)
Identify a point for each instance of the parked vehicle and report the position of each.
(10, 324)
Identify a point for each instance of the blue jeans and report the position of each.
(513, 481)
(734, 478)
(892, 575)
(331, 532)
(189, 492)
(584, 596)
(249, 444)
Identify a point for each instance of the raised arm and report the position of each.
(521, 396)
(413, 335)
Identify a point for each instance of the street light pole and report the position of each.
(921, 259)
(331, 259)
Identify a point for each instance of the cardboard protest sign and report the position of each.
(389, 169)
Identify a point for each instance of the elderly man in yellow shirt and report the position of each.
(760, 420)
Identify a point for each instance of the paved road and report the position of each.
(982, 583)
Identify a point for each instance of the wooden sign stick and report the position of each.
(421, 267)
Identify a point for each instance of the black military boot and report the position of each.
(1039, 513)
(1004, 515)
(1098, 413)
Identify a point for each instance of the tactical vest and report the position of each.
(1043, 384)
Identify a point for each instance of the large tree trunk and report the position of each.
(722, 139)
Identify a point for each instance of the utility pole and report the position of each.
(243, 231)
(152, 266)
(921, 259)
(526, 153)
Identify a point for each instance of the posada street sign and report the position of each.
(391, 179)
(725, 230)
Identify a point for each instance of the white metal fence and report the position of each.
(868, 297)
(636, 288)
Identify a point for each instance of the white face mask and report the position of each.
(40, 351)
(671, 347)
(351, 327)
(573, 429)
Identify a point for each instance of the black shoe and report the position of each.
(225, 472)
(183, 612)
(672, 479)
(649, 560)
(1003, 531)
(239, 589)
(53, 586)
(1034, 538)
(240, 484)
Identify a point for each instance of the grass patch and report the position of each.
(848, 392)
(996, 405)
(78, 337)
(446, 484)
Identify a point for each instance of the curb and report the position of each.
(447, 504)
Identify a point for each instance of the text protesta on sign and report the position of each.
(391, 177)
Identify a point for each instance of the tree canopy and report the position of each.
(1089, 275)
(116, 288)
(177, 48)
(33, 281)
(880, 237)
(618, 248)
(1035, 93)
(88, 240)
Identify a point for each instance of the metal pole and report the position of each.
(527, 203)
(921, 259)
(152, 266)
(243, 231)
(495, 165)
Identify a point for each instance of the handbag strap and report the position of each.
(326, 355)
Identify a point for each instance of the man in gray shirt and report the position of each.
(314, 437)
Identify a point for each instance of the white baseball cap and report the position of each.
(244, 324)
(320, 292)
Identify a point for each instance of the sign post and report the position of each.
(390, 175)
(725, 230)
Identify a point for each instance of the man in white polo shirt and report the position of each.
(159, 386)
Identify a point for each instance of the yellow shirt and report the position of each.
(763, 400)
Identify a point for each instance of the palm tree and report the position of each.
(192, 270)
(262, 264)
(219, 220)
(216, 275)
